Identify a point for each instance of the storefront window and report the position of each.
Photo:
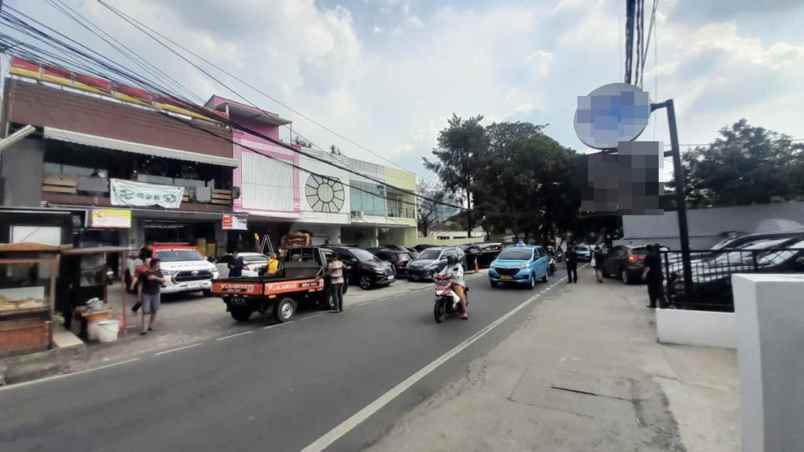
(368, 198)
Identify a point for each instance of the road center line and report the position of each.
(308, 317)
(177, 349)
(356, 419)
(57, 377)
(233, 335)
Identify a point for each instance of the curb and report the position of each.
(33, 366)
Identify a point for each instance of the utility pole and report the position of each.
(681, 195)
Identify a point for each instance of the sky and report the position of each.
(388, 74)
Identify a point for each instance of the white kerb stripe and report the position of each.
(356, 419)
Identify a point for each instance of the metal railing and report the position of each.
(712, 270)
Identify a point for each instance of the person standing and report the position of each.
(572, 264)
(335, 272)
(152, 281)
(236, 267)
(653, 275)
(145, 255)
(597, 263)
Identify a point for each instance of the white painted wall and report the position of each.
(705, 328)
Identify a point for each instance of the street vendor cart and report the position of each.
(28, 275)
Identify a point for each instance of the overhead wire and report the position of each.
(105, 67)
(140, 25)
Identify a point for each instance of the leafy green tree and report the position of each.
(461, 146)
(744, 165)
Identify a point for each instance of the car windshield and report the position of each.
(179, 255)
(641, 251)
(363, 255)
(517, 254)
(777, 257)
(430, 254)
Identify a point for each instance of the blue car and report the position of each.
(520, 265)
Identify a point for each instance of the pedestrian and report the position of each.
(572, 263)
(653, 276)
(145, 255)
(236, 267)
(597, 263)
(152, 281)
(335, 272)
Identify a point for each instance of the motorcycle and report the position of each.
(447, 301)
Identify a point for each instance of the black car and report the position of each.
(429, 262)
(484, 253)
(626, 262)
(365, 269)
(421, 247)
(399, 259)
(711, 276)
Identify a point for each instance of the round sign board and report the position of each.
(610, 114)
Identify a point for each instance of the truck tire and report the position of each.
(285, 309)
(241, 314)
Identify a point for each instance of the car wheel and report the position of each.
(365, 283)
(532, 282)
(626, 277)
(546, 277)
(207, 293)
(241, 314)
(285, 309)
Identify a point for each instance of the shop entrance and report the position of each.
(166, 231)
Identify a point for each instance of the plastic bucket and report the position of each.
(107, 330)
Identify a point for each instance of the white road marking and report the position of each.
(276, 325)
(57, 377)
(356, 419)
(308, 317)
(233, 335)
(177, 349)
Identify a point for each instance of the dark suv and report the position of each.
(365, 269)
(428, 262)
(626, 262)
(399, 259)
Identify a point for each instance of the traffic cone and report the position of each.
(477, 266)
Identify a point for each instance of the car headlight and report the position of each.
(523, 265)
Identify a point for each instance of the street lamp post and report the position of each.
(680, 182)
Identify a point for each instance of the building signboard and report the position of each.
(110, 218)
(140, 194)
(234, 222)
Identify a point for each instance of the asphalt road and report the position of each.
(275, 388)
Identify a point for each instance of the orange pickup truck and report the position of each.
(301, 279)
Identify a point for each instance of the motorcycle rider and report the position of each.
(454, 270)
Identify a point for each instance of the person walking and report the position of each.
(335, 272)
(572, 264)
(597, 263)
(653, 275)
(152, 281)
(145, 255)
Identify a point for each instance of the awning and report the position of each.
(136, 148)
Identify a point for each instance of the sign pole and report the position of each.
(681, 195)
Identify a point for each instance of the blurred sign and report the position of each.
(110, 218)
(141, 194)
(234, 222)
(612, 114)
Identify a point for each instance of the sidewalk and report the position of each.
(583, 373)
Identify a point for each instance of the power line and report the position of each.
(131, 20)
(42, 36)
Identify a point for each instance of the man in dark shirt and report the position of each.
(653, 275)
(572, 264)
(152, 281)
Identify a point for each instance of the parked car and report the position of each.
(583, 253)
(520, 265)
(626, 262)
(253, 263)
(365, 269)
(399, 259)
(422, 247)
(186, 269)
(711, 277)
(428, 262)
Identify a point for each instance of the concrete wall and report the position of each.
(770, 319)
(706, 225)
(23, 164)
(687, 327)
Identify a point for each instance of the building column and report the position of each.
(221, 239)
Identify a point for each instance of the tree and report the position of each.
(745, 165)
(429, 210)
(525, 182)
(461, 146)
